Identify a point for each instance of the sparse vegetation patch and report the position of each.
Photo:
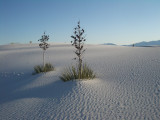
(40, 68)
(72, 73)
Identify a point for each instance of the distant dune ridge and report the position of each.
(127, 86)
(109, 44)
(140, 44)
(150, 43)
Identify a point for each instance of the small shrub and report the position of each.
(40, 68)
(72, 73)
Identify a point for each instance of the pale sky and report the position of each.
(104, 21)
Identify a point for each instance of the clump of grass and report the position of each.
(40, 68)
(73, 73)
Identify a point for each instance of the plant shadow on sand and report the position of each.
(14, 89)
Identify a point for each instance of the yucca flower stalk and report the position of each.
(44, 45)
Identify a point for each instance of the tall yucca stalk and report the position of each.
(78, 43)
(44, 45)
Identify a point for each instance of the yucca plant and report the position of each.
(44, 45)
(80, 71)
(40, 68)
(78, 43)
(72, 73)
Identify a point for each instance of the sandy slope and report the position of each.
(127, 87)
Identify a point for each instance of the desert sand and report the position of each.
(127, 86)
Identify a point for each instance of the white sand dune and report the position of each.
(127, 86)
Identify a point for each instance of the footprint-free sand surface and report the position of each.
(127, 86)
